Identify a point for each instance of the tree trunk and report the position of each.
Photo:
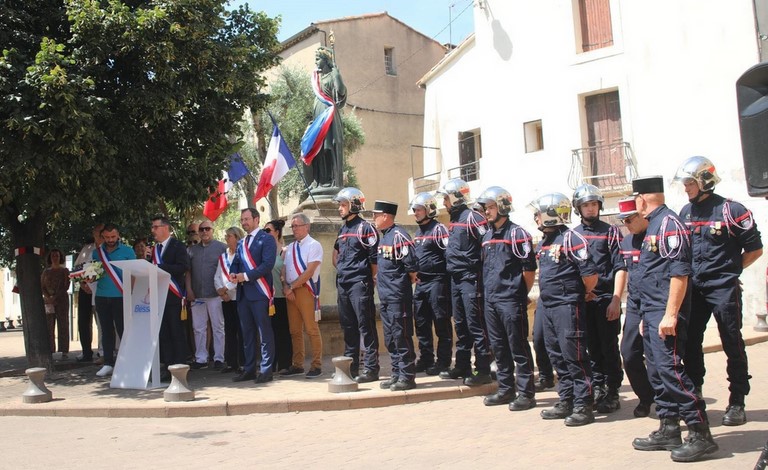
(27, 235)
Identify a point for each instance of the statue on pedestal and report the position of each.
(323, 142)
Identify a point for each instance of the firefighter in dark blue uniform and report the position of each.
(397, 268)
(463, 264)
(631, 340)
(604, 302)
(355, 257)
(431, 299)
(725, 240)
(664, 267)
(509, 268)
(566, 275)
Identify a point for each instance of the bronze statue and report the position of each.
(328, 165)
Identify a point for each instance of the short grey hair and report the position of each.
(304, 219)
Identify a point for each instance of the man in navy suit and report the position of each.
(171, 256)
(252, 270)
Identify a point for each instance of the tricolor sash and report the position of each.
(104, 258)
(172, 286)
(225, 264)
(300, 266)
(250, 263)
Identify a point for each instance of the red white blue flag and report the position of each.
(313, 138)
(279, 160)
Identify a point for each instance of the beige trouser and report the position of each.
(301, 317)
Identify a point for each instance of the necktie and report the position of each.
(248, 241)
(159, 251)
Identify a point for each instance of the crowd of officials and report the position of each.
(252, 299)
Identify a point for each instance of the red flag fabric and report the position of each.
(216, 203)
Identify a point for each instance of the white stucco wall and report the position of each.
(674, 64)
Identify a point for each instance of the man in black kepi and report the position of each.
(397, 271)
(665, 266)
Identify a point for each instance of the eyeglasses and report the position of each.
(191, 232)
(268, 230)
(204, 229)
(629, 219)
(297, 225)
(157, 226)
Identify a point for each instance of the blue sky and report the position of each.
(429, 17)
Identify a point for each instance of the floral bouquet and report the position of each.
(91, 271)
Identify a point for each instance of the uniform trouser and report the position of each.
(397, 323)
(301, 319)
(357, 316)
(233, 339)
(110, 311)
(673, 390)
(603, 345)
(203, 310)
(85, 323)
(565, 337)
(173, 339)
(469, 323)
(282, 331)
(432, 306)
(508, 331)
(543, 363)
(632, 352)
(59, 320)
(725, 304)
(254, 318)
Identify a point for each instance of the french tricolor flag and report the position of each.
(279, 160)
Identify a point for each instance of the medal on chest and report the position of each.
(716, 229)
(554, 253)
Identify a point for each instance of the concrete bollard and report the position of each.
(36, 391)
(2, 325)
(341, 381)
(762, 325)
(179, 389)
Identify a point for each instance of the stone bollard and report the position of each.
(179, 389)
(341, 381)
(762, 325)
(10, 324)
(36, 391)
(2, 325)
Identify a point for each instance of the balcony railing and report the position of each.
(468, 172)
(609, 167)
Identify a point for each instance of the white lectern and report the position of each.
(143, 306)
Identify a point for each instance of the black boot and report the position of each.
(697, 444)
(561, 410)
(667, 437)
(610, 401)
(581, 415)
(598, 395)
(762, 461)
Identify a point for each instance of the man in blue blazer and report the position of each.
(170, 255)
(252, 270)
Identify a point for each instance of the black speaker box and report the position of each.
(752, 100)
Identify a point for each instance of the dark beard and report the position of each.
(590, 220)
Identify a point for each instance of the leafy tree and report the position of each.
(114, 110)
(291, 101)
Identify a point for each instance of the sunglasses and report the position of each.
(268, 230)
(205, 229)
(191, 232)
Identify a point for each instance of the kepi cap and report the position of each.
(627, 208)
(385, 207)
(648, 185)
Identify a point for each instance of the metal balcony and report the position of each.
(609, 167)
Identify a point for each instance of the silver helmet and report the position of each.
(457, 191)
(699, 169)
(354, 196)
(553, 209)
(500, 196)
(427, 201)
(586, 193)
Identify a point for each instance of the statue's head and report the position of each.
(324, 58)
